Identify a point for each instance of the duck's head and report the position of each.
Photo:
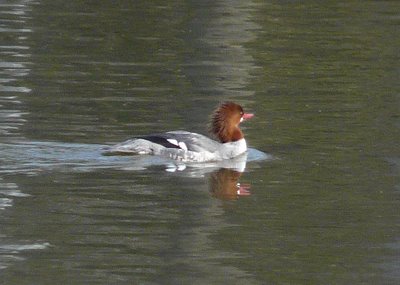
(225, 122)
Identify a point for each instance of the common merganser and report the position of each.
(192, 147)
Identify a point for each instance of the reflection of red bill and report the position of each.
(243, 190)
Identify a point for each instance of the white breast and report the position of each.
(233, 149)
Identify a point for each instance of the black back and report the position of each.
(159, 139)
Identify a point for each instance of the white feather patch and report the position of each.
(183, 146)
(173, 141)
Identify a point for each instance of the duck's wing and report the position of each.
(174, 141)
(184, 140)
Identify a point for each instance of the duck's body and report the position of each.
(193, 147)
(181, 145)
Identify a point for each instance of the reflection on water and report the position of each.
(226, 65)
(224, 184)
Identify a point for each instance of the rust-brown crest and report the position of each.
(224, 122)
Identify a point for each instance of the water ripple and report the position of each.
(8, 252)
(5, 203)
(14, 31)
(14, 89)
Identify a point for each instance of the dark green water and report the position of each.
(323, 81)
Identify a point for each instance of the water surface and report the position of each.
(322, 208)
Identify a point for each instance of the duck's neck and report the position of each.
(230, 135)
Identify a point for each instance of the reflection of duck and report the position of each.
(193, 147)
(224, 184)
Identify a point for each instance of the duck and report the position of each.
(227, 140)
